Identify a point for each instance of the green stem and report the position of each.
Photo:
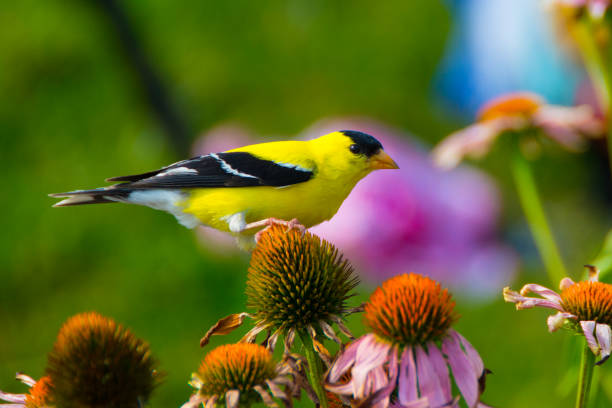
(585, 377)
(536, 218)
(315, 371)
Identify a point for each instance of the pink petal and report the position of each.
(441, 369)
(471, 352)
(556, 321)
(26, 379)
(566, 283)
(344, 361)
(429, 385)
(588, 327)
(371, 353)
(407, 387)
(19, 398)
(381, 397)
(463, 371)
(523, 302)
(542, 291)
(604, 335)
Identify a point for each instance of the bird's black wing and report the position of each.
(234, 169)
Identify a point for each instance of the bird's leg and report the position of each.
(268, 222)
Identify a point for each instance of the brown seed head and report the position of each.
(410, 309)
(97, 363)
(297, 280)
(239, 366)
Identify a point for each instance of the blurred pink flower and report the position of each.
(569, 126)
(442, 224)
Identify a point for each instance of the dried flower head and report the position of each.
(410, 350)
(39, 396)
(519, 112)
(238, 375)
(296, 283)
(97, 363)
(410, 309)
(585, 307)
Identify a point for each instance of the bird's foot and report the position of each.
(268, 222)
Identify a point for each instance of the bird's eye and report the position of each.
(355, 149)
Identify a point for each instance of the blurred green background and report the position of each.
(73, 111)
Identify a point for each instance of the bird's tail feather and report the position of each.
(94, 196)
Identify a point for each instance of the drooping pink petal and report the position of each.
(26, 379)
(542, 291)
(429, 385)
(194, 401)
(441, 369)
(588, 327)
(19, 398)
(604, 338)
(342, 389)
(345, 361)
(463, 371)
(381, 396)
(407, 387)
(556, 321)
(370, 353)
(566, 283)
(523, 302)
(232, 397)
(471, 352)
(420, 403)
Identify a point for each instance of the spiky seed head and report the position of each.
(410, 309)
(97, 363)
(514, 104)
(240, 366)
(40, 394)
(589, 301)
(296, 280)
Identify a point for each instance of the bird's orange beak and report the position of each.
(382, 160)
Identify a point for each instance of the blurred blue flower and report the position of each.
(499, 46)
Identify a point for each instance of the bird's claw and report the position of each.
(269, 222)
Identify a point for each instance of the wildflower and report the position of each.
(95, 362)
(296, 284)
(409, 350)
(391, 224)
(39, 395)
(585, 307)
(239, 375)
(520, 111)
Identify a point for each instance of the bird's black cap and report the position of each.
(368, 144)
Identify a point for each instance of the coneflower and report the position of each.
(96, 362)
(408, 353)
(297, 286)
(584, 307)
(39, 395)
(239, 375)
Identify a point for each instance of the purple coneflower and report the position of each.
(585, 307)
(519, 111)
(405, 359)
(240, 375)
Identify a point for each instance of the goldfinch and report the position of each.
(244, 189)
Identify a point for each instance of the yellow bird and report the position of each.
(242, 190)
